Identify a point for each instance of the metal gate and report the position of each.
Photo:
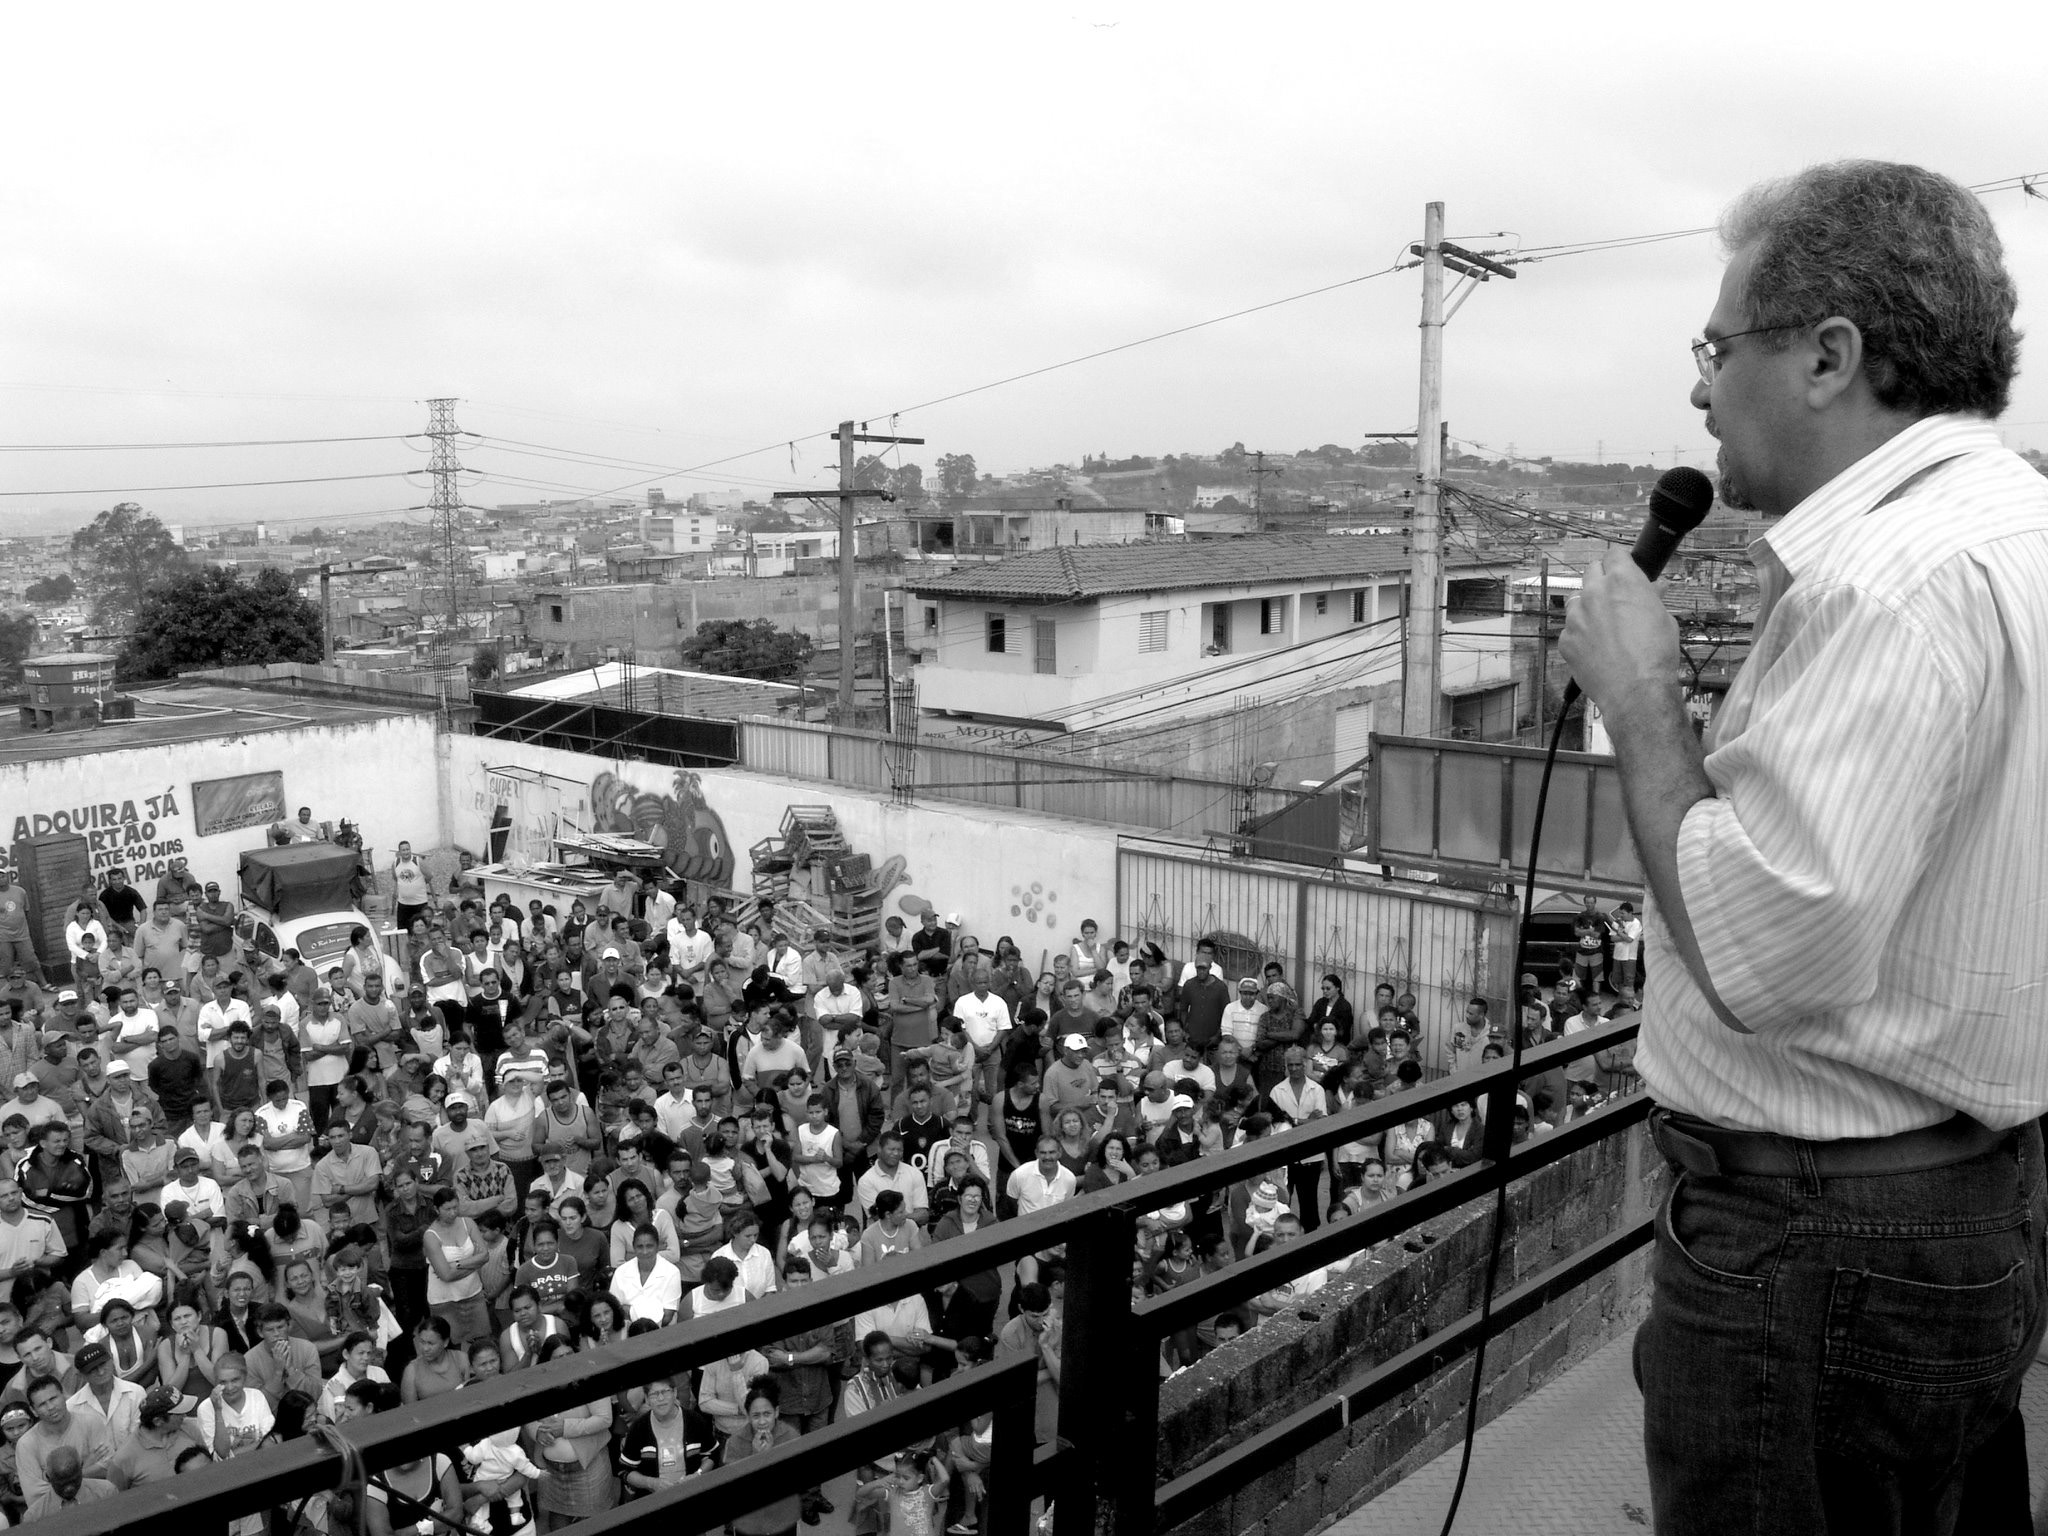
(1445, 946)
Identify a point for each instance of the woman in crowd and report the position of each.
(234, 1321)
(763, 1429)
(1112, 1165)
(110, 1273)
(1334, 1008)
(1077, 1147)
(970, 1309)
(636, 1209)
(588, 1247)
(456, 1252)
(185, 1355)
(305, 1297)
(435, 1368)
(574, 1450)
(406, 1219)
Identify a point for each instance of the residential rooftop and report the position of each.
(181, 712)
(1073, 573)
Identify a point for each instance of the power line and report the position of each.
(252, 442)
(218, 485)
(1179, 330)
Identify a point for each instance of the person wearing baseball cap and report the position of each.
(150, 1454)
(104, 1391)
(32, 1104)
(463, 1130)
(1069, 1082)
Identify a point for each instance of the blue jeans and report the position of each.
(1823, 1355)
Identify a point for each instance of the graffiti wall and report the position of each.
(1034, 879)
(138, 835)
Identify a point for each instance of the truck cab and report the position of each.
(297, 897)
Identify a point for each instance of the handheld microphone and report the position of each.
(1679, 501)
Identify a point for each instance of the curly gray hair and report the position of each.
(1907, 254)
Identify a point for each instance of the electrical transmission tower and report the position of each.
(446, 503)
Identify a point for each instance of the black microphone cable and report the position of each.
(1500, 1198)
(1679, 503)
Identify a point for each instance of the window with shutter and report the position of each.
(1152, 630)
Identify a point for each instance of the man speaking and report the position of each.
(1850, 1048)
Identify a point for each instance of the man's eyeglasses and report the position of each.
(1707, 355)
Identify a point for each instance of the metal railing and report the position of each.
(1004, 776)
(1102, 1465)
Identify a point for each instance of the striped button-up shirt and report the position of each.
(1869, 881)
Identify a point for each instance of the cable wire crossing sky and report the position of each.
(655, 246)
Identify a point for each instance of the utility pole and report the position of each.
(1542, 646)
(1425, 625)
(1421, 657)
(849, 619)
(326, 616)
(1259, 473)
(446, 502)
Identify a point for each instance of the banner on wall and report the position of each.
(247, 800)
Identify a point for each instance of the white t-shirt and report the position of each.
(757, 1269)
(214, 1019)
(247, 1424)
(323, 1071)
(408, 883)
(984, 1018)
(135, 1038)
(294, 1117)
(649, 1296)
(203, 1198)
(216, 1157)
(821, 1179)
(688, 951)
(1034, 1192)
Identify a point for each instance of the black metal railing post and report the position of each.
(1010, 1462)
(1098, 1456)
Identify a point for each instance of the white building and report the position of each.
(1084, 637)
(678, 531)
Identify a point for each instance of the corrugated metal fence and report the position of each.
(1445, 946)
(1052, 786)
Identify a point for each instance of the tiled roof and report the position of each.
(1072, 572)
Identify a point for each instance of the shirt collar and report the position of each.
(1809, 527)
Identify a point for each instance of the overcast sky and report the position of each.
(670, 234)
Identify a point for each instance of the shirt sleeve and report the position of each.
(1828, 804)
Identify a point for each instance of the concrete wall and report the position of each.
(1032, 878)
(1349, 1327)
(657, 618)
(136, 804)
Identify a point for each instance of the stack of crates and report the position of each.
(816, 881)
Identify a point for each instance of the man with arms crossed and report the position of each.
(1849, 1043)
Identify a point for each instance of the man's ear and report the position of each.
(1834, 361)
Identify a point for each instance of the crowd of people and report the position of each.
(238, 1198)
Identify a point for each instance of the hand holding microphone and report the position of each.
(1617, 634)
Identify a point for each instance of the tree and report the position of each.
(212, 618)
(746, 648)
(488, 662)
(59, 588)
(871, 472)
(908, 484)
(956, 474)
(121, 554)
(17, 643)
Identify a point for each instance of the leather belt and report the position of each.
(1714, 1151)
